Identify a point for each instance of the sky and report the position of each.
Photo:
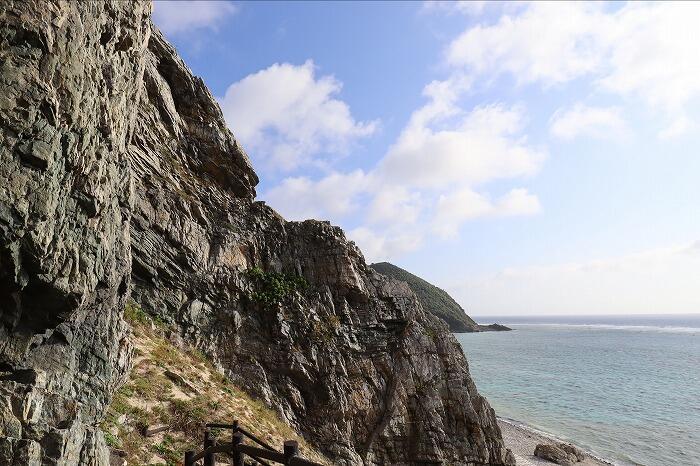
(529, 158)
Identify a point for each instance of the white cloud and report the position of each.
(425, 182)
(174, 17)
(284, 115)
(547, 42)
(518, 202)
(467, 7)
(679, 126)
(454, 209)
(380, 246)
(395, 205)
(482, 146)
(647, 51)
(654, 53)
(652, 281)
(299, 198)
(583, 120)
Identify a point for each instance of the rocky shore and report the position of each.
(522, 442)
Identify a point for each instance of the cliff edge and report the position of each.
(120, 179)
(436, 301)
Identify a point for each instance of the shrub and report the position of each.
(112, 440)
(273, 287)
(135, 315)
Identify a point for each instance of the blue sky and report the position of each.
(529, 158)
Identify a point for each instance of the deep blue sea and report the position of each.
(625, 388)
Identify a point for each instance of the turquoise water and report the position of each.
(626, 389)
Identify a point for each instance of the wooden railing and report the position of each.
(237, 449)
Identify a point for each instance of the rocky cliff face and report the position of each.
(433, 299)
(69, 75)
(120, 177)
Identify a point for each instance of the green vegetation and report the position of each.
(181, 389)
(433, 299)
(168, 450)
(135, 315)
(112, 440)
(273, 287)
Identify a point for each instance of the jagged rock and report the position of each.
(353, 361)
(561, 453)
(67, 92)
(572, 451)
(119, 175)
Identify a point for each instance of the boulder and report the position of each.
(560, 453)
(573, 451)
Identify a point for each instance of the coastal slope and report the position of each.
(436, 300)
(122, 181)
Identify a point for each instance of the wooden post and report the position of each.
(235, 441)
(291, 448)
(236, 455)
(188, 458)
(208, 442)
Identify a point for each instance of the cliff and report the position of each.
(436, 300)
(121, 179)
(171, 392)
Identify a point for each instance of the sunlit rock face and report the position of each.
(70, 73)
(120, 178)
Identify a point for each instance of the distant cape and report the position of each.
(436, 301)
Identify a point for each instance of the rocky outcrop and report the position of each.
(494, 328)
(436, 301)
(69, 75)
(564, 454)
(122, 178)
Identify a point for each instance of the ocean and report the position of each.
(626, 389)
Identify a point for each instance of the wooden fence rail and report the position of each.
(237, 449)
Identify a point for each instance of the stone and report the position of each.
(150, 431)
(180, 380)
(574, 452)
(560, 453)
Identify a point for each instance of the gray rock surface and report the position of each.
(69, 75)
(560, 453)
(121, 178)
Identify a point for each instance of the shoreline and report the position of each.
(522, 439)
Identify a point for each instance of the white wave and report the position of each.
(632, 328)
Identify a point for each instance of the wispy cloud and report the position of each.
(647, 51)
(591, 122)
(181, 16)
(427, 178)
(658, 280)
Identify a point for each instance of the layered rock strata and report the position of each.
(120, 178)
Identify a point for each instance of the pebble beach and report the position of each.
(522, 442)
